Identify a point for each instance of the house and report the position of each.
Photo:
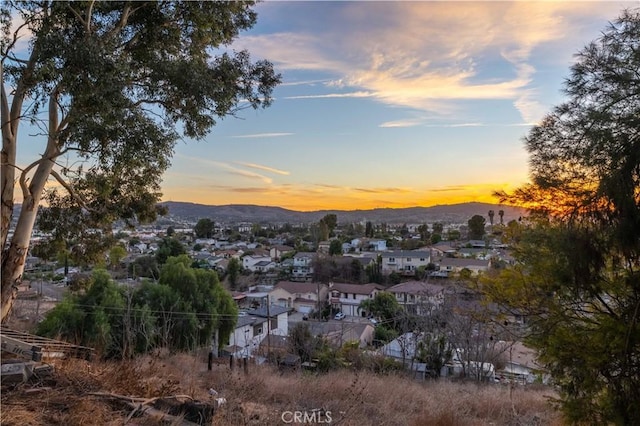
(368, 244)
(246, 337)
(405, 349)
(253, 326)
(477, 244)
(276, 252)
(264, 266)
(276, 347)
(455, 265)
(442, 249)
(304, 297)
(278, 315)
(417, 296)
(461, 365)
(256, 263)
(303, 266)
(324, 246)
(475, 253)
(339, 333)
(404, 262)
(377, 245)
(520, 365)
(347, 297)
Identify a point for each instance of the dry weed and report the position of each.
(264, 394)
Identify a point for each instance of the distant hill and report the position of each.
(448, 213)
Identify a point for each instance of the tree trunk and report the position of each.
(14, 256)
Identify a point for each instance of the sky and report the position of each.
(390, 104)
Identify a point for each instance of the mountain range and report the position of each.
(233, 213)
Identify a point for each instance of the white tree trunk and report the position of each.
(14, 256)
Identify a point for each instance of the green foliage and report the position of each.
(330, 221)
(424, 232)
(453, 235)
(145, 266)
(180, 312)
(383, 306)
(205, 228)
(335, 248)
(384, 334)
(434, 351)
(116, 254)
(577, 277)
(368, 229)
(374, 271)
(115, 85)
(476, 227)
(169, 247)
(233, 271)
(395, 278)
(437, 228)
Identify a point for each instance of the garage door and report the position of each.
(305, 309)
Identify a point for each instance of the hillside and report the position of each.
(451, 213)
(76, 396)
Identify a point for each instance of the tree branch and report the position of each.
(77, 15)
(70, 190)
(88, 19)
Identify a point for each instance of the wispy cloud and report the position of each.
(401, 123)
(265, 168)
(250, 175)
(455, 125)
(304, 82)
(451, 188)
(334, 95)
(384, 190)
(263, 135)
(412, 58)
(328, 186)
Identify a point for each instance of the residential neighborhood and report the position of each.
(332, 286)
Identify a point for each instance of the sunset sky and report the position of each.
(390, 104)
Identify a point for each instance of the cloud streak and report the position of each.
(265, 168)
(334, 95)
(262, 135)
(412, 58)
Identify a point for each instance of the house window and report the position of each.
(408, 259)
(274, 323)
(422, 259)
(257, 329)
(354, 296)
(392, 260)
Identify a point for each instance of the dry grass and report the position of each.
(260, 398)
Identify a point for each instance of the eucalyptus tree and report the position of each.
(110, 87)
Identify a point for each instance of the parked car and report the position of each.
(373, 321)
(339, 316)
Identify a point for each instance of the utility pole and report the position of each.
(268, 331)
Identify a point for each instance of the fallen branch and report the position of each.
(183, 413)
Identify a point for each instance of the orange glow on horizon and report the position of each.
(339, 199)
